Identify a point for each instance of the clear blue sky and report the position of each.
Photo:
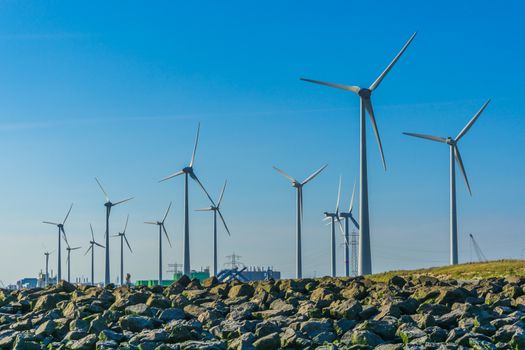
(116, 89)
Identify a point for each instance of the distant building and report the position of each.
(29, 282)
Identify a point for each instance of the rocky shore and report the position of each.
(326, 313)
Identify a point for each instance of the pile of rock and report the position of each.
(326, 313)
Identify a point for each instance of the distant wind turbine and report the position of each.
(455, 156)
(46, 280)
(346, 216)
(108, 204)
(365, 258)
(161, 228)
(63, 232)
(333, 217)
(299, 213)
(216, 209)
(123, 238)
(69, 249)
(188, 172)
(91, 248)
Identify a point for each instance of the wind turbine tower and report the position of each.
(46, 281)
(455, 157)
(188, 172)
(299, 214)
(365, 94)
(216, 210)
(61, 232)
(108, 204)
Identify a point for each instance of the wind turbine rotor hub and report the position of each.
(188, 170)
(108, 204)
(365, 93)
(451, 141)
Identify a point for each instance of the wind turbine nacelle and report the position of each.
(450, 141)
(365, 93)
(187, 170)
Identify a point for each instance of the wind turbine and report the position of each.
(188, 172)
(108, 205)
(454, 155)
(161, 228)
(69, 249)
(333, 217)
(91, 248)
(123, 238)
(348, 216)
(63, 232)
(216, 209)
(46, 281)
(365, 258)
(299, 215)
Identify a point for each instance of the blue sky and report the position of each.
(116, 90)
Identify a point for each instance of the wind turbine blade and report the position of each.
(117, 235)
(127, 243)
(341, 229)
(311, 177)
(126, 225)
(350, 88)
(87, 251)
(194, 177)
(172, 175)
(195, 147)
(92, 235)
(471, 122)
(166, 233)
(103, 191)
(150, 222)
(67, 215)
(224, 222)
(379, 79)
(352, 200)
(370, 109)
(204, 209)
(122, 201)
(284, 174)
(222, 194)
(326, 218)
(461, 167)
(50, 223)
(100, 245)
(75, 248)
(427, 137)
(354, 221)
(64, 235)
(166, 215)
(338, 197)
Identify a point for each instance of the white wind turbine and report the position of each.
(188, 172)
(348, 216)
(455, 156)
(62, 232)
(91, 248)
(216, 210)
(123, 238)
(333, 217)
(299, 213)
(69, 249)
(108, 204)
(161, 229)
(365, 94)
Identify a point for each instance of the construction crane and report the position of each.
(474, 245)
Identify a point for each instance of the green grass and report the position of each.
(469, 271)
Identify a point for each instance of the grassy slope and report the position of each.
(500, 268)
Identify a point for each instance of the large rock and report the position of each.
(241, 290)
(135, 323)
